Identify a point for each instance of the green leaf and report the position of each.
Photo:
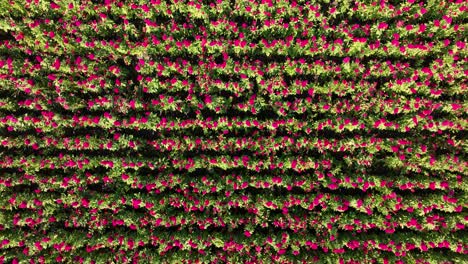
(218, 242)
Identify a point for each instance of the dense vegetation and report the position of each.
(233, 131)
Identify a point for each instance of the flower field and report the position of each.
(242, 131)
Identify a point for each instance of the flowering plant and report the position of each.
(233, 131)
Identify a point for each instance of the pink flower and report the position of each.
(455, 107)
(54, 5)
(38, 245)
(447, 19)
(413, 222)
(293, 164)
(383, 25)
(422, 28)
(339, 250)
(136, 203)
(56, 64)
(85, 202)
(5, 242)
(247, 234)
